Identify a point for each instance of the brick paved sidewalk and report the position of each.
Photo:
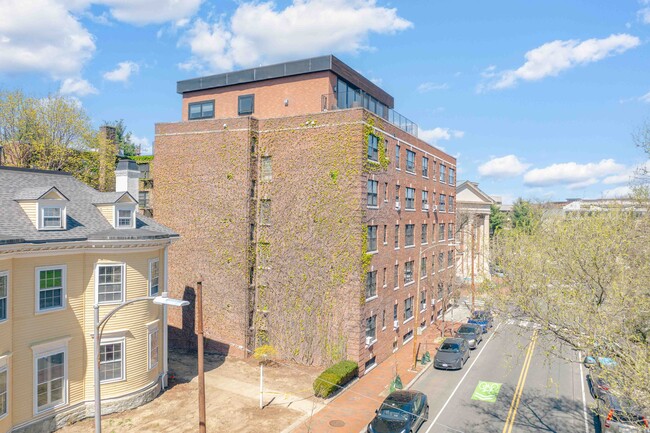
(355, 407)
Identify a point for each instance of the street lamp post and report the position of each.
(417, 304)
(99, 329)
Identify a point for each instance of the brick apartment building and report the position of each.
(303, 200)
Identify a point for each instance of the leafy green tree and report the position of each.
(498, 219)
(584, 280)
(123, 137)
(525, 215)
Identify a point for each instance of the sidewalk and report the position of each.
(355, 407)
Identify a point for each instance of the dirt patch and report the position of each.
(232, 399)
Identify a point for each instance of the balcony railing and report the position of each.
(354, 99)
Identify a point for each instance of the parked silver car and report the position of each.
(620, 416)
(452, 354)
(473, 334)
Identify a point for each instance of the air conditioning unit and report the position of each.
(398, 206)
(434, 208)
(396, 324)
(369, 341)
(425, 207)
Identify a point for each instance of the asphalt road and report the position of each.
(538, 393)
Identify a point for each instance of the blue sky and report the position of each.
(536, 99)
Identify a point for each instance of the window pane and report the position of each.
(109, 283)
(246, 104)
(266, 168)
(207, 109)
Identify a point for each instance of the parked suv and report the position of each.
(620, 416)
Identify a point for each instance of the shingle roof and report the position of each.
(84, 220)
(33, 193)
(109, 197)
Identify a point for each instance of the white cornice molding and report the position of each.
(59, 248)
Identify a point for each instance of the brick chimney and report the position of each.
(108, 147)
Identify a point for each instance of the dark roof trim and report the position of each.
(287, 69)
(34, 170)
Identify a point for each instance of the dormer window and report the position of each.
(118, 208)
(124, 218)
(51, 217)
(45, 207)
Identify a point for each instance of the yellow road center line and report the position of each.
(519, 389)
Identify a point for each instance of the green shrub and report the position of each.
(334, 377)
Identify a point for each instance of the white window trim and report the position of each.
(118, 208)
(151, 262)
(6, 274)
(151, 328)
(122, 340)
(42, 204)
(96, 278)
(64, 283)
(5, 369)
(41, 351)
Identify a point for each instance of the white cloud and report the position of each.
(261, 33)
(505, 166)
(572, 174)
(645, 98)
(42, 36)
(141, 12)
(554, 57)
(143, 142)
(77, 87)
(432, 136)
(644, 12)
(583, 183)
(428, 87)
(122, 72)
(619, 192)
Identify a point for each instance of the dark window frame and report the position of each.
(241, 98)
(200, 103)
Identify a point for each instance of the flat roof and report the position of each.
(287, 69)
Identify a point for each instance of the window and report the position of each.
(441, 207)
(423, 300)
(450, 258)
(409, 229)
(4, 382)
(407, 337)
(450, 231)
(385, 191)
(265, 212)
(396, 236)
(154, 276)
(384, 279)
(423, 267)
(372, 192)
(441, 231)
(371, 284)
(408, 308)
(441, 260)
(110, 279)
(153, 346)
(451, 204)
(264, 254)
(245, 105)
(143, 198)
(433, 264)
(424, 233)
(385, 234)
(124, 218)
(52, 217)
(408, 272)
(397, 148)
(50, 283)
(371, 327)
(373, 148)
(144, 171)
(433, 170)
(201, 110)
(4, 294)
(433, 232)
(383, 319)
(425, 200)
(410, 198)
(410, 161)
(111, 361)
(395, 312)
(425, 166)
(396, 277)
(452, 176)
(442, 173)
(372, 238)
(266, 169)
(51, 380)
(397, 202)
(441, 289)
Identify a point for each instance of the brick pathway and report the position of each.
(351, 411)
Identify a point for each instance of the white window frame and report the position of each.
(129, 207)
(42, 351)
(6, 297)
(122, 341)
(96, 277)
(152, 329)
(5, 369)
(37, 285)
(151, 262)
(48, 204)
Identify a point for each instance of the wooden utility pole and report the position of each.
(473, 247)
(199, 332)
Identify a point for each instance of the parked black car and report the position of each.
(620, 416)
(598, 385)
(473, 334)
(452, 354)
(401, 411)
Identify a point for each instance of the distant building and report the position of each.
(473, 224)
(582, 206)
(303, 200)
(64, 247)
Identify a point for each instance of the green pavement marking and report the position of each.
(486, 391)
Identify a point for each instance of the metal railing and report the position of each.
(356, 99)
